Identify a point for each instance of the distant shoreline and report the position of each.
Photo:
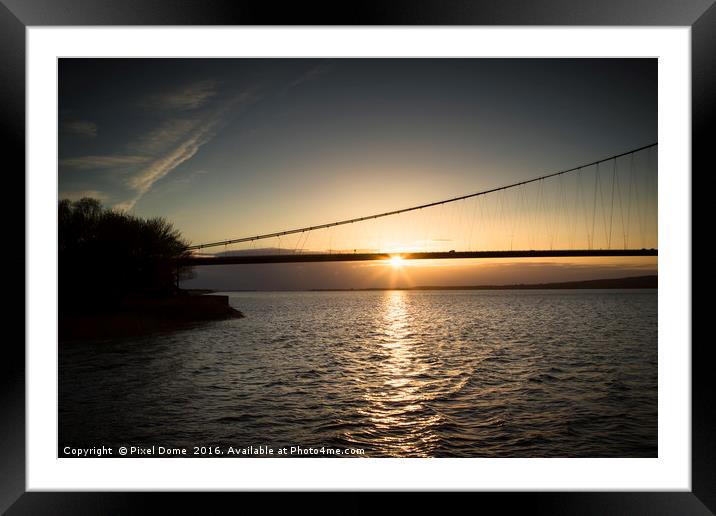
(633, 282)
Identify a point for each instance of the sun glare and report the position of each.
(396, 261)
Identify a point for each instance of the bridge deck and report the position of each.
(355, 257)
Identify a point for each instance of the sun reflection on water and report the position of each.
(401, 424)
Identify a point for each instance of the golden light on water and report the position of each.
(395, 397)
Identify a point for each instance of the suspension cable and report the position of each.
(412, 208)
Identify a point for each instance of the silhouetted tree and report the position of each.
(109, 256)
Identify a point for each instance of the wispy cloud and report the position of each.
(189, 97)
(176, 140)
(113, 161)
(164, 136)
(183, 150)
(144, 180)
(191, 177)
(125, 205)
(81, 127)
(308, 75)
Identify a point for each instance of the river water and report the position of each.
(534, 373)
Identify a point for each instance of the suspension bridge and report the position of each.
(604, 208)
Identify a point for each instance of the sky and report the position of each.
(226, 148)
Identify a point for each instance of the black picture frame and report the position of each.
(16, 15)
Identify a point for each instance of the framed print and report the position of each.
(445, 248)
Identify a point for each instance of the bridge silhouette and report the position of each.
(591, 210)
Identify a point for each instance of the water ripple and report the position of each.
(401, 374)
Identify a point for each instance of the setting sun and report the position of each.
(396, 261)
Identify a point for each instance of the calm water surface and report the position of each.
(397, 373)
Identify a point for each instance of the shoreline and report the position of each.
(141, 317)
(632, 282)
